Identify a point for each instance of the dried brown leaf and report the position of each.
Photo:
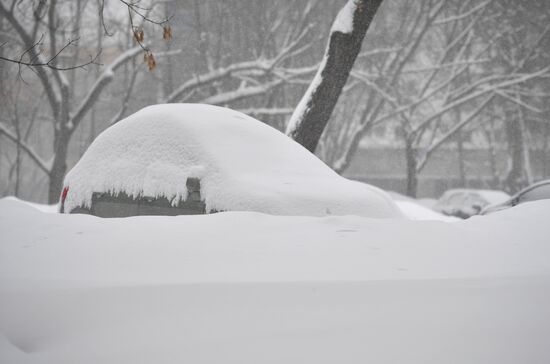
(139, 36)
(151, 63)
(167, 32)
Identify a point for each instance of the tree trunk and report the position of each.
(546, 155)
(18, 160)
(516, 177)
(412, 175)
(314, 110)
(59, 165)
(461, 161)
(167, 70)
(492, 155)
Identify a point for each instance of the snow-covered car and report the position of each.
(464, 203)
(178, 159)
(534, 192)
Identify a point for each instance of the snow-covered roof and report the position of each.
(243, 165)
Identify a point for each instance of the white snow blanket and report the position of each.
(243, 165)
(244, 287)
(415, 211)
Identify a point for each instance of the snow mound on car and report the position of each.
(242, 163)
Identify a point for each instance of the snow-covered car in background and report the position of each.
(178, 159)
(415, 209)
(534, 192)
(464, 203)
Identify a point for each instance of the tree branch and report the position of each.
(103, 80)
(30, 152)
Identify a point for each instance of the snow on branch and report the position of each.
(467, 95)
(240, 93)
(103, 80)
(344, 20)
(445, 66)
(267, 111)
(207, 78)
(257, 68)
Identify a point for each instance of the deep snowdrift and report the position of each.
(243, 164)
(242, 287)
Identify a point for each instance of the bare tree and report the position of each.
(432, 75)
(223, 81)
(32, 56)
(426, 88)
(66, 113)
(523, 48)
(226, 83)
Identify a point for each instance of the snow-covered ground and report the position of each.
(243, 287)
(418, 209)
(52, 209)
(415, 211)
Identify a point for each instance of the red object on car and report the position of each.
(64, 194)
(63, 197)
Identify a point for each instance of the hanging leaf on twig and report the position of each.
(149, 59)
(139, 36)
(167, 32)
